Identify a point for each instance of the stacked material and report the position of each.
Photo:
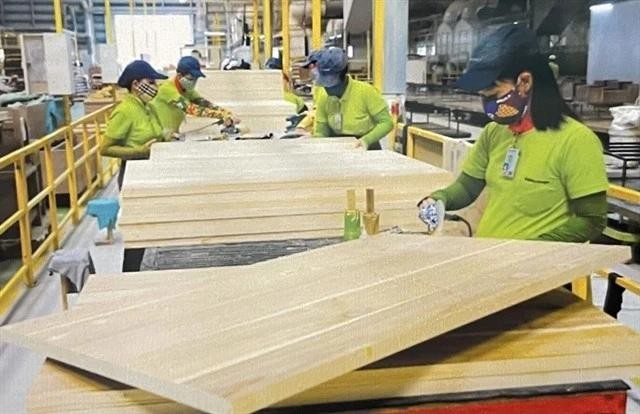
(254, 96)
(240, 339)
(267, 195)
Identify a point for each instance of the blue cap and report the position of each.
(312, 58)
(495, 53)
(331, 62)
(136, 70)
(190, 65)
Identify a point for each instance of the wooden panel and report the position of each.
(532, 344)
(262, 172)
(272, 330)
(190, 149)
(240, 85)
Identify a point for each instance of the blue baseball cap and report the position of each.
(312, 58)
(190, 65)
(495, 53)
(331, 62)
(136, 70)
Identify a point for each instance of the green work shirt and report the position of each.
(296, 100)
(554, 166)
(361, 112)
(132, 123)
(170, 104)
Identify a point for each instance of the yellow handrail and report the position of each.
(89, 163)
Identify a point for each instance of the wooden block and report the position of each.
(240, 85)
(273, 330)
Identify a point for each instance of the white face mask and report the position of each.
(146, 91)
(188, 84)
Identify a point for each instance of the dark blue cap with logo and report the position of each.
(495, 53)
(331, 62)
(190, 65)
(136, 70)
(312, 58)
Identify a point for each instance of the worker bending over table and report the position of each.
(347, 107)
(133, 125)
(178, 96)
(543, 169)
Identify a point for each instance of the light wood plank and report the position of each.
(530, 344)
(240, 346)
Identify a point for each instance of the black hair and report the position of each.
(548, 109)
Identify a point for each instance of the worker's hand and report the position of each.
(425, 202)
(148, 144)
(231, 121)
(302, 132)
(361, 144)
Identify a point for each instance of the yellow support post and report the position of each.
(378, 43)
(57, 15)
(266, 28)
(73, 183)
(108, 22)
(53, 204)
(256, 34)
(286, 39)
(316, 24)
(20, 174)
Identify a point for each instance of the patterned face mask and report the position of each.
(507, 109)
(146, 91)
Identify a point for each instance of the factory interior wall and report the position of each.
(159, 36)
(611, 54)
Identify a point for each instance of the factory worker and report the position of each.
(347, 107)
(133, 125)
(306, 125)
(178, 95)
(544, 170)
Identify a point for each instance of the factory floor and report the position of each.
(19, 367)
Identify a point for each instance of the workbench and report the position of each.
(554, 350)
(295, 193)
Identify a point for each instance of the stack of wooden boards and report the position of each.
(254, 96)
(240, 339)
(215, 192)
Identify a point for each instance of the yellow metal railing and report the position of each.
(81, 152)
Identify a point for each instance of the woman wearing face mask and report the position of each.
(133, 126)
(543, 169)
(305, 126)
(347, 107)
(179, 93)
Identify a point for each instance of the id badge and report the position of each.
(336, 123)
(510, 163)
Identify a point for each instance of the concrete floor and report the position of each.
(19, 367)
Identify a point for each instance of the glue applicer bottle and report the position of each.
(352, 224)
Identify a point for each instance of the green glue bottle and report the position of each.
(352, 226)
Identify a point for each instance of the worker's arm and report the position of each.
(464, 191)
(589, 218)
(113, 148)
(383, 125)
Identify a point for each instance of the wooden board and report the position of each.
(275, 329)
(241, 85)
(192, 149)
(270, 171)
(535, 343)
(267, 195)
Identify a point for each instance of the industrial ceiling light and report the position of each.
(602, 7)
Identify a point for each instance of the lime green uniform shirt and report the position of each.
(131, 125)
(295, 99)
(170, 104)
(554, 166)
(361, 112)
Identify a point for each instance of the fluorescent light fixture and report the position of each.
(601, 7)
(350, 51)
(215, 33)
(515, 22)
